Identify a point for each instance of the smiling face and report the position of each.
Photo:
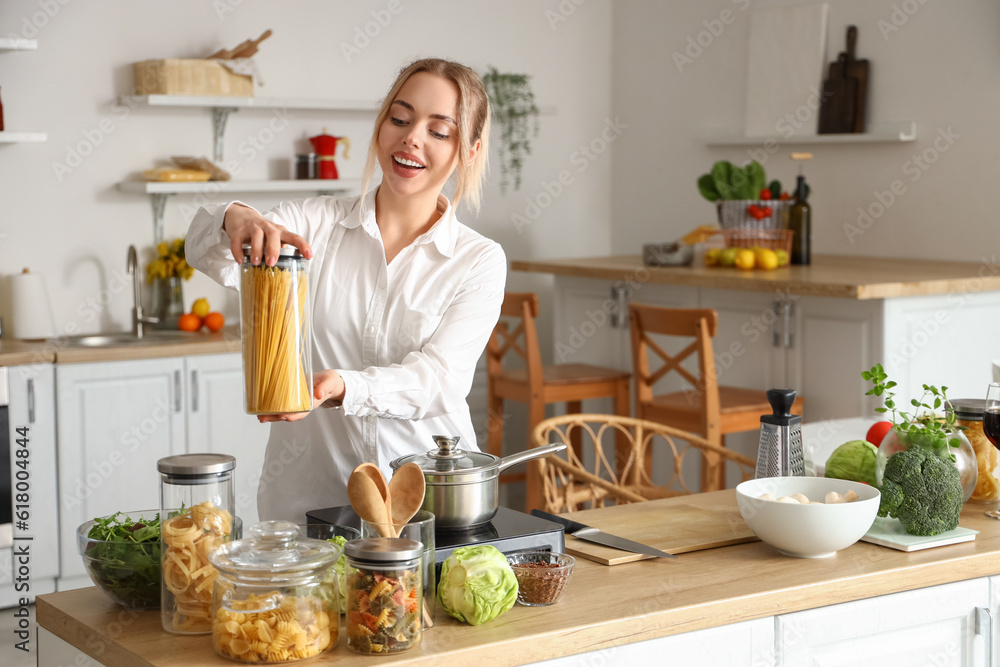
(418, 140)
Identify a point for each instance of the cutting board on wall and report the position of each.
(676, 529)
(785, 66)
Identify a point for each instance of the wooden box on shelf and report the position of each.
(190, 77)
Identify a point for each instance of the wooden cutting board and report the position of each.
(676, 529)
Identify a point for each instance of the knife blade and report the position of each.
(590, 534)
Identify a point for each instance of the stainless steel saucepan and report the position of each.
(462, 487)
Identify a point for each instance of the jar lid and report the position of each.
(306, 156)
(969, 409)
(191, 465)
(449, 463)
(285, 251)
(383, 549)
(275, 552)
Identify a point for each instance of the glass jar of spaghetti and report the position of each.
(277, 596)
(384, 598)
(197, 502)
(969, 413)
(276, 333)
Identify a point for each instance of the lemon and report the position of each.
(201, 308)
(782, 257)
(728, 256)
(712, 256)
(767, 259)
(744, 259)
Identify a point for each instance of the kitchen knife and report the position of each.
(585, 532)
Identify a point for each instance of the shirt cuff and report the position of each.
(355, 392)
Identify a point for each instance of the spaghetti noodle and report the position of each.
(275, 339)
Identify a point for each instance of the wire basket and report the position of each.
(734, 214)
(773, 239)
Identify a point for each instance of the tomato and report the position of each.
(765, 194)
(784, 196)
(877, 432)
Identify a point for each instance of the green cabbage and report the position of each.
(854, 460)
(337, 573)
(477, 584)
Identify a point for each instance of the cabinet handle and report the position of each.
(31, 401)
(194, 391)
(177, 391)
(619, 316)
(787, 310)
(778, 307)
(984, 629)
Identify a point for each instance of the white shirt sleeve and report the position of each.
(436, 379)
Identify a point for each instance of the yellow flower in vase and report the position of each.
(169, 262)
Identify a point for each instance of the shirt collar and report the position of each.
(443, 234)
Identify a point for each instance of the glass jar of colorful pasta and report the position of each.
(277, 596)
(384, 596)
(276, 334)
(197, 506)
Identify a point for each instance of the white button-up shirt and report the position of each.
(406, 338)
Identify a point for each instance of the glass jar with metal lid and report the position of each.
(275, 600)
(276, 332)
(197, 514)
(969, 413)
(384, 598)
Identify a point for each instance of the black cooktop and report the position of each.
(509, 531)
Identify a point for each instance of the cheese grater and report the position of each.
(779, 453)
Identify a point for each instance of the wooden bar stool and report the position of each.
(705, 407)
(537, 385)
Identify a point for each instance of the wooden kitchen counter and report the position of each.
(601, 608)
(58, 350)
(829, 275)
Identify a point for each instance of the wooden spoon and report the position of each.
(367, 502)
(407, 488)
(373, 472)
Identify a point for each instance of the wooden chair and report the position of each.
(704, 407)
(537, 385)
(574, 481)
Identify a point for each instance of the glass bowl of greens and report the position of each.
(334, 588)
(121, 553)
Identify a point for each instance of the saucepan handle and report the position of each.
(527, 455)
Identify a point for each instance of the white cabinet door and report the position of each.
(33, 479)
(217, 423)
(932, 626)
(115, 421)
(746, 644)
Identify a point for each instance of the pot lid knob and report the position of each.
(447, 447)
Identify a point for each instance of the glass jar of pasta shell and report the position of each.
(277, 596)
(969, 413)
(197, 514)
(276, 333)
(384, 595)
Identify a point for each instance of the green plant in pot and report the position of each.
(926, 468)
(516, 114)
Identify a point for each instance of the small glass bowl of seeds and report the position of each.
(541, 576)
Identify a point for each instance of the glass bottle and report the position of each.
(197, 505)
(800, 222)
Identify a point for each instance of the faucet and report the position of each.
(132, 266)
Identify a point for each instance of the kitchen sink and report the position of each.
(154, 337)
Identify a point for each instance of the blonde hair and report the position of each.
(473, 124)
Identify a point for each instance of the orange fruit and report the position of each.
(188, 322)
(214, 321)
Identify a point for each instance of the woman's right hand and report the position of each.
(244, 225)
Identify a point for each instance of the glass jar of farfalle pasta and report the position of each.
(276, 333)
(969, 414)
(275, 599)
(197, 502)
(384, 598)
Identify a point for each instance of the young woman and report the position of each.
(404, 296)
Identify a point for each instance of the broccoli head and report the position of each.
(922, 490)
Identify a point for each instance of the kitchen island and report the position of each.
(812, 328)
(759, 607)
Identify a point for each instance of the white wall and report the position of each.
(75, 227)
(938, 68)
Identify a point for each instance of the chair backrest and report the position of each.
(516, 332)
(598, 474)
(700, 324)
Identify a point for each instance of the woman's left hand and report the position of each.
(327, 386)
